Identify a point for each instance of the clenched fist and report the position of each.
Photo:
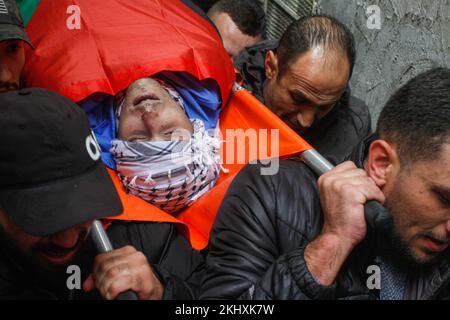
(122, 270)
(343, 192)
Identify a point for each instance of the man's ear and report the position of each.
(382, 162)
(271, 65)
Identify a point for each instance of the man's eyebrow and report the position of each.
(298, 95)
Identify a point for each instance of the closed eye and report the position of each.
(138, 139)
(298, 98)
(178, 134)
(13, 48)
(443, 195)
(445, 201)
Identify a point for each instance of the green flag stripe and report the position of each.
(27, 8)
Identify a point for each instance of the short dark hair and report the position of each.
(248, 15)
(417, 117)
(312, 31)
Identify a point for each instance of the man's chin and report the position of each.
(4, 90)
(412, 252)
(422, 256)
(54, 262)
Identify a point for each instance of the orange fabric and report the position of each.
(243, 111)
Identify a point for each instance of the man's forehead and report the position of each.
(314, 86)
(307, 71)
(319, 62)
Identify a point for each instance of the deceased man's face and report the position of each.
(149, 113)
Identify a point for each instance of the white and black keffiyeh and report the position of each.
(169, 174)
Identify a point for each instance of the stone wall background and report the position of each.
(414, 37)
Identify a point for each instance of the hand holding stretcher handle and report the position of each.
(103, 244)
(375, 214)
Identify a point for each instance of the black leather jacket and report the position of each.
(261, 232)
(336, 134)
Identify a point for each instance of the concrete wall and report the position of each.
(414, 36)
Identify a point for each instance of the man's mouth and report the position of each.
(436, 245)
(147, 97)
(58, 255)
(8, 89)
(58, 258)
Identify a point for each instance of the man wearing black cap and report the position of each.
(52, 186)
(12, 38)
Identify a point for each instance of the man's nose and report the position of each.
(5, 73)
(448, 226)
(150, 119)
(306, 117)
(67, 238)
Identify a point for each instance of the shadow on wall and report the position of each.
(395, 39)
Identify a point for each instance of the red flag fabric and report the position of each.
(85, 46)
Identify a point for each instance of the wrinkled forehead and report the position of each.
(325, 75)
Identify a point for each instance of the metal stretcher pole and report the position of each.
(375, 214)
(316, 162)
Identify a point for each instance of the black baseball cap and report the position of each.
(11, 23)
(51, 175)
